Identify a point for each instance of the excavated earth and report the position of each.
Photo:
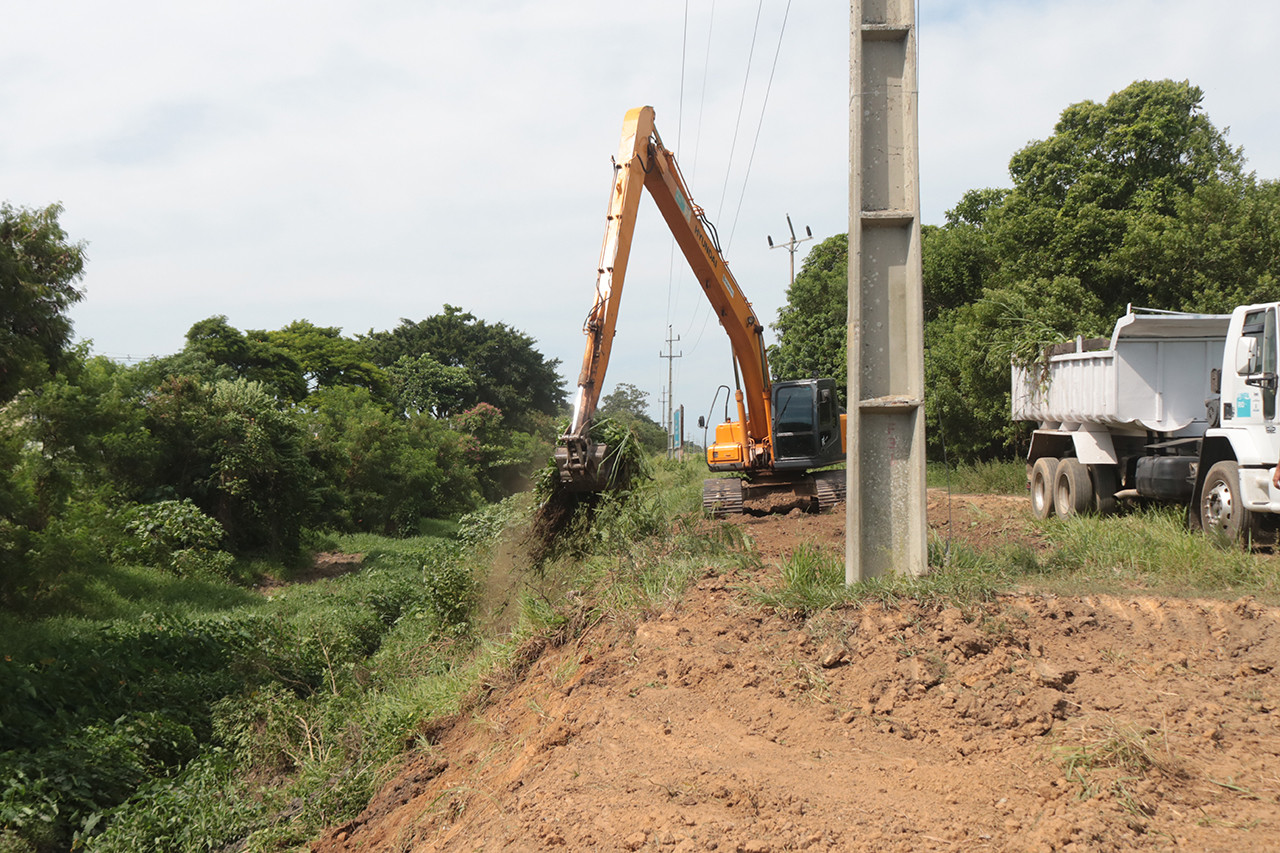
(1029, 723)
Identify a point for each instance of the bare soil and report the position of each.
(1030, 723)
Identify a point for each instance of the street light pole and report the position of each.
(791, 244)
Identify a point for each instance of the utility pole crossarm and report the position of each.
(791, 244)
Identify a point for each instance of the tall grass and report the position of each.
(812, 579)
(1151, 549)
(1147, 550)
(979, 478)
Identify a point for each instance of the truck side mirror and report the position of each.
(702, 422)
(1247, 360)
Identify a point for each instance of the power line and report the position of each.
(728, 168)
(777, 52)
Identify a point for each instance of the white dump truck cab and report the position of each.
(1172, 407)
(1234, 490)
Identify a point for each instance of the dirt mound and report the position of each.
(1030, 723)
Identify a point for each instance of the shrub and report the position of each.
(175, 535)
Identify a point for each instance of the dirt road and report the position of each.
(1032, 723)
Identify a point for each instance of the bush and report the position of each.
(174, 535)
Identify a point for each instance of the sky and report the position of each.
(353, 164)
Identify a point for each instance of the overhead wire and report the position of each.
(754, 144)
(671, 260)
(768, 86)
(706, 64)
(746, 77)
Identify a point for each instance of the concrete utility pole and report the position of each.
(671, 393)
(791, 244)
(885, 525)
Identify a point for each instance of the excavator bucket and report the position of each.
(583, 465)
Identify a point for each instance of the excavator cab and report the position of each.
(807, 429)
(806, 425)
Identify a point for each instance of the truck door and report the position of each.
(1264, 384)
(1254, 401)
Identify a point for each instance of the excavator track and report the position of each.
(829, 486)
(722, 496)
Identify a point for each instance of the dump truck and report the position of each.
(1173, 407)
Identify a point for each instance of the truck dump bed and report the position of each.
(1154, 376)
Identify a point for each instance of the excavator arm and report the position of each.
(643, 162)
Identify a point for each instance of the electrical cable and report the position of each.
(702, 103)
(671, 258)
(728, 168)
(751, 159)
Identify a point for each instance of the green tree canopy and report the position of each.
(420, 384)
(811, 326)
(38, 271)
(628, 405)
(508, 372)
(214, 347)
(327, 358)
(1138, 200)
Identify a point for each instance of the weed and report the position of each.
(1108, 743)
(994, 477)
(1126, 753)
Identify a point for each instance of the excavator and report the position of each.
(784, 430)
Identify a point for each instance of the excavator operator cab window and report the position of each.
(795, 431)
(827, 423)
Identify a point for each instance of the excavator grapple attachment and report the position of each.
(583, 465)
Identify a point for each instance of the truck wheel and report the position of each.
(1222, 511)
(1105, 485)
(1072, 489)
(1042, 486)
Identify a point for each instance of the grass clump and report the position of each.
(979, 478)
(1149, 549)
(812, 580)
(1107, 756)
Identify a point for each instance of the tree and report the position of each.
(420, 384)
(508, 371)
(959, 258)
(1109, 173)
(232, 449)
(1138, 200)
(38, 271)
(811, 326)
(628, 405)
(381, 472)
(327, 358)
(214, 346)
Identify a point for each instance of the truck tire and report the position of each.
(1072, 489)
(1222, 511)
(1106, 483)
(1042, 486)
